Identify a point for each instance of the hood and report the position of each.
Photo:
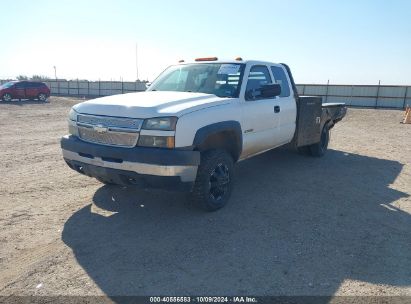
(150, 104)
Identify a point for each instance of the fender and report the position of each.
(225, 126)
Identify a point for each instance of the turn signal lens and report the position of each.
(170, 142)
(156, 141)
(207, 59)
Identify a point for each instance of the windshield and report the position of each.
(7, 85)
(220, 79)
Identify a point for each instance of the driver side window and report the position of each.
(259, 75)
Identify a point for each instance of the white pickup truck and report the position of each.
(194, 122)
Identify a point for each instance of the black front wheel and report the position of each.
(105, 181)
(214, 181)
(319, 149)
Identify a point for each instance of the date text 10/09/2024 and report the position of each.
(238, 299)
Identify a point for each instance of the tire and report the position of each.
(214, 181)
(42, 97)
(101, 180)
(319, 149)
(7, 97)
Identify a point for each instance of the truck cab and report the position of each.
(194, 122)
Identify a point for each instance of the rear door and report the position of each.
(32, 90)
(260, 120)
(286, 103)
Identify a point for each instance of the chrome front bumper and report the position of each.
(146, 162)
(186, 173)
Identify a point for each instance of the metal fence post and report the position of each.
(122, 87)
(378, 94)
(88, 88)
(303, 90)
(326, 91)
(58, 87)
(99, 88)
(352, 91)
(78, 88)
(405, 97)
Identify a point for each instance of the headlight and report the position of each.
(160, 123)
(156, 141)
(73, 115)
(72, 128)
(72, 123)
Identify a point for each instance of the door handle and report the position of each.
(277, 109)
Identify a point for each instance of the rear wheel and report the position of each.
(42, 97)
(214, 182)
(6, 97)
(319, 149)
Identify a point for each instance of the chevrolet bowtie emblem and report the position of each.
(100, 129)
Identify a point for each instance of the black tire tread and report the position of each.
(315, 149)
(208, 160)
(102, 180)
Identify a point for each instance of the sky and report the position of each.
(345, 42)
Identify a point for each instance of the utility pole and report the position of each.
(137, 61)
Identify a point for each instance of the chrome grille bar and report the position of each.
(107, 121)
(112, 131)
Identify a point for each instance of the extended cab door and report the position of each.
(260, 116)
(287, 104)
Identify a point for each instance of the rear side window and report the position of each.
(31, 85)
(281, 79)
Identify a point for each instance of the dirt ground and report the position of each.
(295, 225)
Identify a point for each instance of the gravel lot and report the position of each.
(296, 225)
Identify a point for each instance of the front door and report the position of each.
(19, 90)
(260, 115)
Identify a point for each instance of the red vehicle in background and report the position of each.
(24, 90)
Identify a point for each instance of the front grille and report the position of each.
(109, 138)
(116, 122)
(118, 131)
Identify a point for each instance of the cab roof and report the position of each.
(230, 61)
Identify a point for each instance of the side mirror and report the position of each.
(270, 90)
